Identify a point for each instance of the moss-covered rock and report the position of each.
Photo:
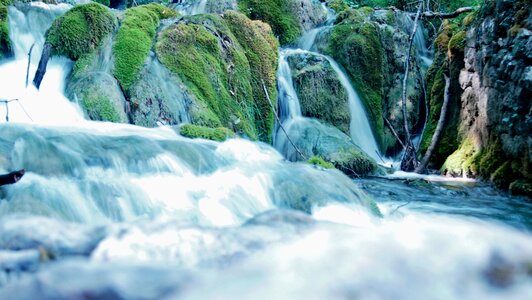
(223, 71)
(463, 161)
(320, 92)
(92, 85)
(315, 139)
(355, 44)
(449, 58)
(135, 39)
(319, 161)
(81, 30)
(215, 134)
(521, 188)
(260, 48)
(5, 42)
(288, 18)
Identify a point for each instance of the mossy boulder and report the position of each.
(135, 39)
(320, 92)
(215, 134)
(319, 161)
(371, 45)
(81, 30)
(92, 85)
(449, 58)
(5, 42)
(260, 48)
(288, 18)
(223, 70)
(313, 138)
(158, 97)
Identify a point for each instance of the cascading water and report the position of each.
(290, 111)
(48, 106)
(112, 211)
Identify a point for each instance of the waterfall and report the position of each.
(420, 43)
(290, 110)
(190, 7)
(88, 172)
(28, 24)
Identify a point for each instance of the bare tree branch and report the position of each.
(454, 14)
(280, 123)
(439, 127)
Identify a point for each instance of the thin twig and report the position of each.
(29, 62)
(279, 121)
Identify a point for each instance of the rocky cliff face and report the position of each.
(496, 112)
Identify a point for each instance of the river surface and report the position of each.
(110, 211)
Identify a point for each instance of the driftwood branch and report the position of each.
(439, 127)
(409, 160)
(394, 132)
(279, 121)
(454, 14)
(12, 177)
(43, 63)
(29, 63)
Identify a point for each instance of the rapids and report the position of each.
(109, 211)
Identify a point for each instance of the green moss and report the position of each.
(338, 5)
(82, 64)
(81, 30)
(134, 40)
(457, 42)
(100, 109)
(507, 173)
(277, 13)
(521, 188)
(5, 42)
(319, 161)
(470, 18)
(355, 44)
(353, 162)
(104, 2)
(462, 161)
(214, 134)
(218, 74)
(260, 48)
(491, 159)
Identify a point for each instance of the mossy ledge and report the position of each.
(5, 42)
(224, 70)
(277, 13)
(135, 39)
(214, 134)
(81, 30)
(355, 44)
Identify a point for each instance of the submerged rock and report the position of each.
(319, 90)
(313, 138)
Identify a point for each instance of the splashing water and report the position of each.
(124, 212)
(360, 130)
(47, 106)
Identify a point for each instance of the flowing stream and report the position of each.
(109, 211)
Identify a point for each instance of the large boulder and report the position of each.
(313, 138)
(497, 88)
(288, 18)
(371, 45)
(321, 95)
(224, 60)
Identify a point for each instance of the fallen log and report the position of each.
(12, 177)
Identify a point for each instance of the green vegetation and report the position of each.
(104, 2)
(81, 30)
(100, 109)
(449, 45)
(5, 42)
(462, 161)
(277, 13)
(213, 63)
(319, 161)
(353, 162)
(260, 48)
(134, 40)
(355, 44)
(215, 134)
